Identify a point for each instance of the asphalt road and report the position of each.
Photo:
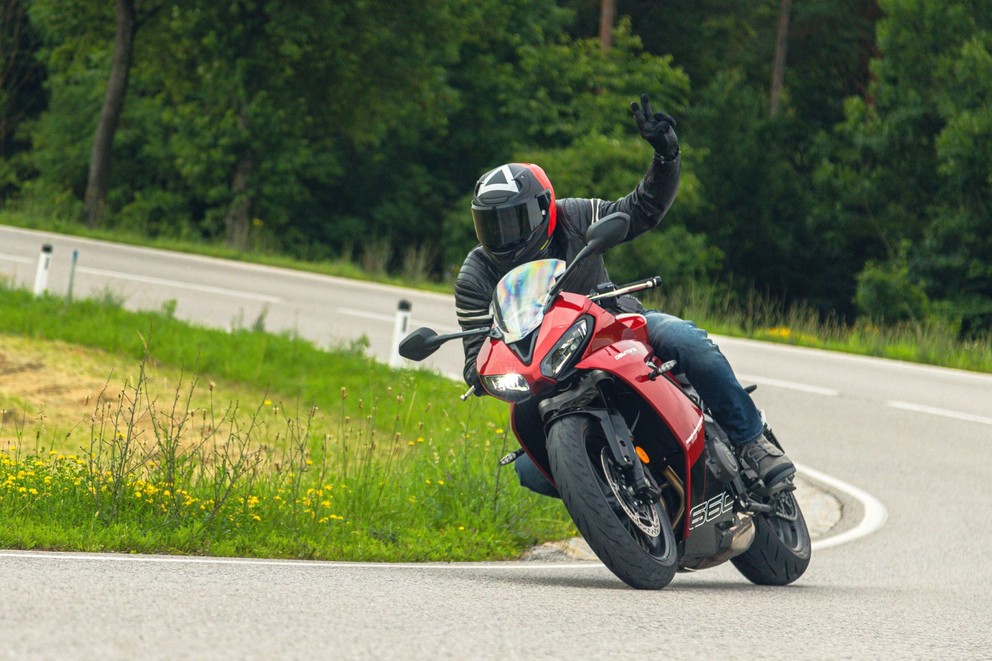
(916, 438)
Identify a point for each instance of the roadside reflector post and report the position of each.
(72, 275)
(399, 332)
(41, 275)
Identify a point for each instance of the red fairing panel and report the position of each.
(626, 359)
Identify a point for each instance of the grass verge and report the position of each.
(334, 457)
(928, 341)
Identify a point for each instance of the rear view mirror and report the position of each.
(419, 344)
(607, 232)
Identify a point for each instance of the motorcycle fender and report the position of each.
(619, 442)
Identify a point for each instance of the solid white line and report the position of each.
(180, 285)
(790, 385)
(873, 519)
(932, 410)
(306, 564)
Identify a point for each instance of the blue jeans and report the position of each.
(708, 371)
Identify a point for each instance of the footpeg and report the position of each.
(510, 458)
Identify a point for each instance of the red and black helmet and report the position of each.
(513, 210)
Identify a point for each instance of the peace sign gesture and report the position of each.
(656, 128)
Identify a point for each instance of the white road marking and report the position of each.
(391, 318)
(16, 258)
(223, 291)
(932, 410)
(364, 314)
(790, 385)
(306, 564)
(874, 516)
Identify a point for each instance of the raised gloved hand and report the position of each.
(656, 128)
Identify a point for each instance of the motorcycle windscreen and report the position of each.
(519, 298)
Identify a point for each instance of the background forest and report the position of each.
(836, 152)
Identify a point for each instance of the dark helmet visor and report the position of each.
(504, 228)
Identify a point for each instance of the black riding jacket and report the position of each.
(477, 279)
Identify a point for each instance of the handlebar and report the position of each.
(650, 283)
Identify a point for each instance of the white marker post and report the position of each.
(399, 332)
(41, 275)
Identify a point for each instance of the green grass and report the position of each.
(930, 341)
(337, 457)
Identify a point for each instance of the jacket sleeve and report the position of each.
(473, 291)
(648, 203)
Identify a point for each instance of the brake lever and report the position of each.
(469, 393)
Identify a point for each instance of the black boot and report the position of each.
(771, 465)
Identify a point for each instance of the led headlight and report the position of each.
(511, 387)
(568, 347)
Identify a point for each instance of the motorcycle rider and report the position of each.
(518, 219)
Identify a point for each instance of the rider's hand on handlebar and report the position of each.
(657, 128)
(473, 381)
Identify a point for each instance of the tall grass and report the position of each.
(930, 341)
(339, 457)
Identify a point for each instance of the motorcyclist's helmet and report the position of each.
(513, 210)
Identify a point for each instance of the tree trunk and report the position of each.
(113, 104)
(781, 43)
(607, 17)
(236, 223)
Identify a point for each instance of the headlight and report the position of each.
(568, 347)
(511, 387)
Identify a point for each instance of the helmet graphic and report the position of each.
(513, 210)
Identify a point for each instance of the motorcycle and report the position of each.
(645, 472)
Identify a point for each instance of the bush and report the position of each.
(886, 293)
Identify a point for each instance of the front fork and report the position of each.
(582, 401)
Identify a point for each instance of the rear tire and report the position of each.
(639, 549)
(780, 552)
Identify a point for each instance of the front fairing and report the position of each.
(496, 357)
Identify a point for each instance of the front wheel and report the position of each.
(632, 537)
(780, 552)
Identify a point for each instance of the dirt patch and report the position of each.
(49, 382)
(50, 391)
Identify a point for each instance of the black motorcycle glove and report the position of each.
(472, 379)
(657, 128)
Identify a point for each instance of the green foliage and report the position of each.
(319, 125)
(911, 162)
(886, 293)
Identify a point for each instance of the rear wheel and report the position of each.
(780, 552)
(632, 537)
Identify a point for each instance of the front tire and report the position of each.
(634, 539)
(781, 551)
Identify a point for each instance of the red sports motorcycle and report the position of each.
(649, 478)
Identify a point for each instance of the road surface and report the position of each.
(917, 439)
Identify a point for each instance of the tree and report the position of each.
(126, 25)
(21, 93)
(781, 47)
(607, 19)
(910, 165)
